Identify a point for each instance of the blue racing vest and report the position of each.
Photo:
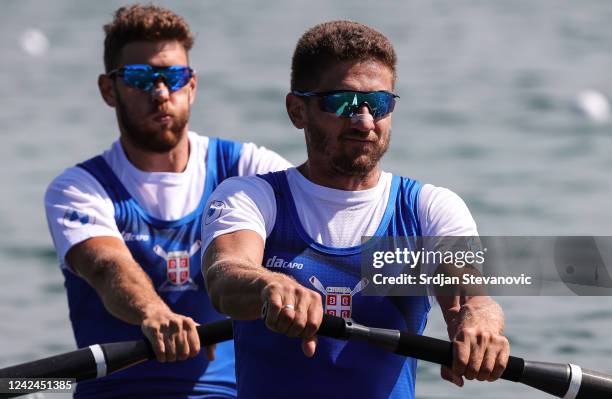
(169, 252)
(271, 365)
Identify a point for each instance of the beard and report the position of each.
(159, 138)
(347, 160)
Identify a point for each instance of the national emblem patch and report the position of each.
(178, 277)
(338, 300)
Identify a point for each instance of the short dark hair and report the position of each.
(337, 41)
(142, 23)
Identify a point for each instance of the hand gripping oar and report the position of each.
(566, 381)
(100, 360)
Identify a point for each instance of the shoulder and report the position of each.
(75, 180)
(258, 159)
(443, 212)
(239, 203)
(435, 196)
(251, 186)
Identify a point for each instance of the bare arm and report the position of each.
(239, 286)
(127, 293)
(475, 324)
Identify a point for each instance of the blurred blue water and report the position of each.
(486, 90)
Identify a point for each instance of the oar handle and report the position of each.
(100, 360)
(125, 354)
(440, 351)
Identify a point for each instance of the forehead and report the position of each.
(361, 76)
(162, 53)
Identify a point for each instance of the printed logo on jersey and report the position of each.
(214, 211)
(279, 263)
(128, 236)
(74, 218)
(338, 300)
(178, 277)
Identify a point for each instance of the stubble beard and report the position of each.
(146, 138)
(359, 161)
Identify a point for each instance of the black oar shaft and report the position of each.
(561, 380)
(441, 352)
(100, 360)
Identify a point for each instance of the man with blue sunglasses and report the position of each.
(126, 223)
(286, 246)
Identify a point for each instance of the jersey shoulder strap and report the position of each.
(101, 171)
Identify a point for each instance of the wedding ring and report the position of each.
(288, 307)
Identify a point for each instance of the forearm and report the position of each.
(124, 288)
(235, 286)
(468, 311)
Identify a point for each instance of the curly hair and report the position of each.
(142, 23)
(335, 41)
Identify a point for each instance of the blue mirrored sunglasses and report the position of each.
(144, 77)
(346, 103)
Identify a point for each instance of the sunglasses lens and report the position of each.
(380, 103)
(176, 77)
(144, 77)
(339, 103)
(346, 104)
(139, 76)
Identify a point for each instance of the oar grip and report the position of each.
(333, 327)
(441, 352)
(412, 345)
(213, 333)
(83, 364)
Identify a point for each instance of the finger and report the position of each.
(315, 316)
(300, 316)
(309, 345)
(273, 305)
(477, 351)
(193, 339)
(156, 340)
(461, 354)
(500, 363)
(210, 352)
(170, 341)
(182, 345)
(286, 315)
(159, 347)
(447, 374)
(488, 363)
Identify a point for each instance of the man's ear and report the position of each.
(193, 85)
(105, 84)
(296, 109)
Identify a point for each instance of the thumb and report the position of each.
(447, 374)
(309, 345)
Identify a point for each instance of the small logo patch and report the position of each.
(74, 218)
(214, 211)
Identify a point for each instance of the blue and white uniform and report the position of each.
(168, 250)
(313, 234)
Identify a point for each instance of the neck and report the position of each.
(174, 160)
(335, 179)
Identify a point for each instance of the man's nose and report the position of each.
(363, 119)
(160, 91)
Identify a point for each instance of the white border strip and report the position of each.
(98, 355)
(576, 381)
